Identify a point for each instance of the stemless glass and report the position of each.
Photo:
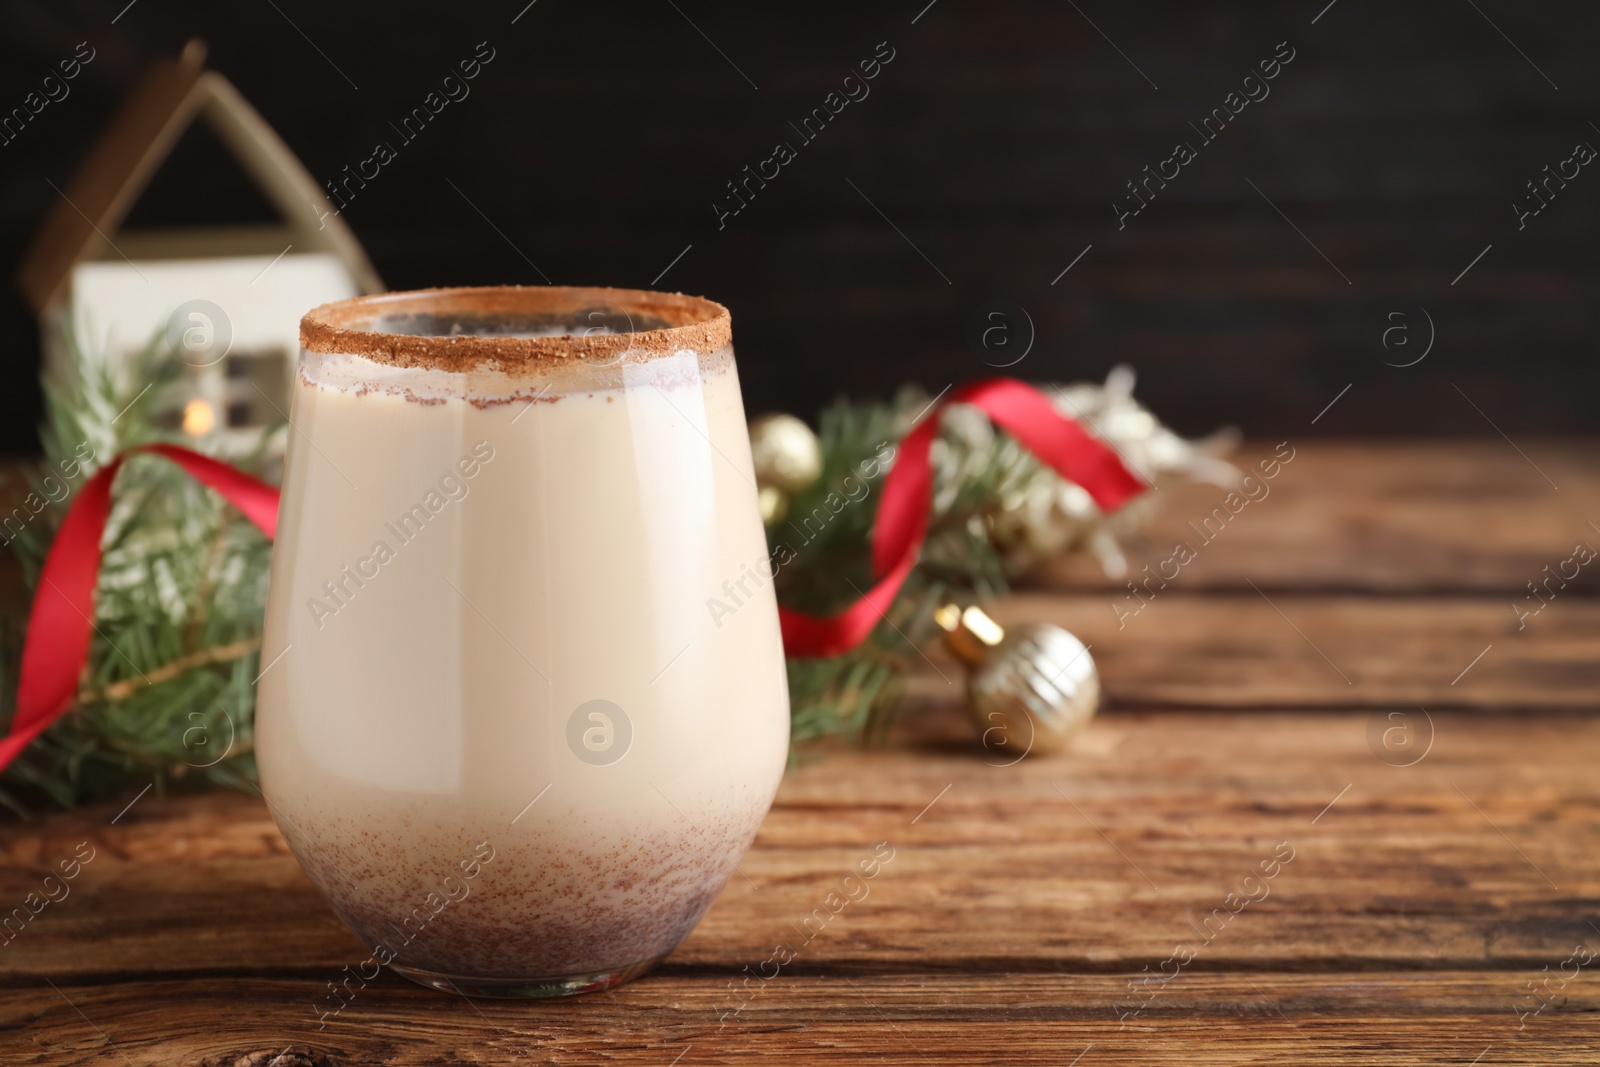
(524, 704)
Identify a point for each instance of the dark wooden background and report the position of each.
(996, 141)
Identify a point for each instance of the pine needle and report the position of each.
(167, 693)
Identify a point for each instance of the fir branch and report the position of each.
(124, 689)
(167, 694)
(857, 695)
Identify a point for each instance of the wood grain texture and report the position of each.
(1253, 650)
(1215, 1019)
(1418, 903)
(1452, 517)
(1027, 908)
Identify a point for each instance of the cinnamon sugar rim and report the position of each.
(439, 329)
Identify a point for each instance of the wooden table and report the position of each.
(1025, 906)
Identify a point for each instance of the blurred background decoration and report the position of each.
(996, 513)
(168, 692)
(227, 298)
(594, 146)
(168, 689)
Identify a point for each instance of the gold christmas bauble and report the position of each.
(1030, 688)
(787, 457)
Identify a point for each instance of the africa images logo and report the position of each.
(599, 732)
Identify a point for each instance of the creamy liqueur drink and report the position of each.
(499, 726)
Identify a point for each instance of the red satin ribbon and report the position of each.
(902, 521)
(57, 643)
(59, 626)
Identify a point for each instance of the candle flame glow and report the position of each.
(198, 417)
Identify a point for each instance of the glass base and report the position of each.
(525, 988)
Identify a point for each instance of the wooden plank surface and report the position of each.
(1251, 650)
(1413, 913)
(1450, 517)
(1025, 905)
